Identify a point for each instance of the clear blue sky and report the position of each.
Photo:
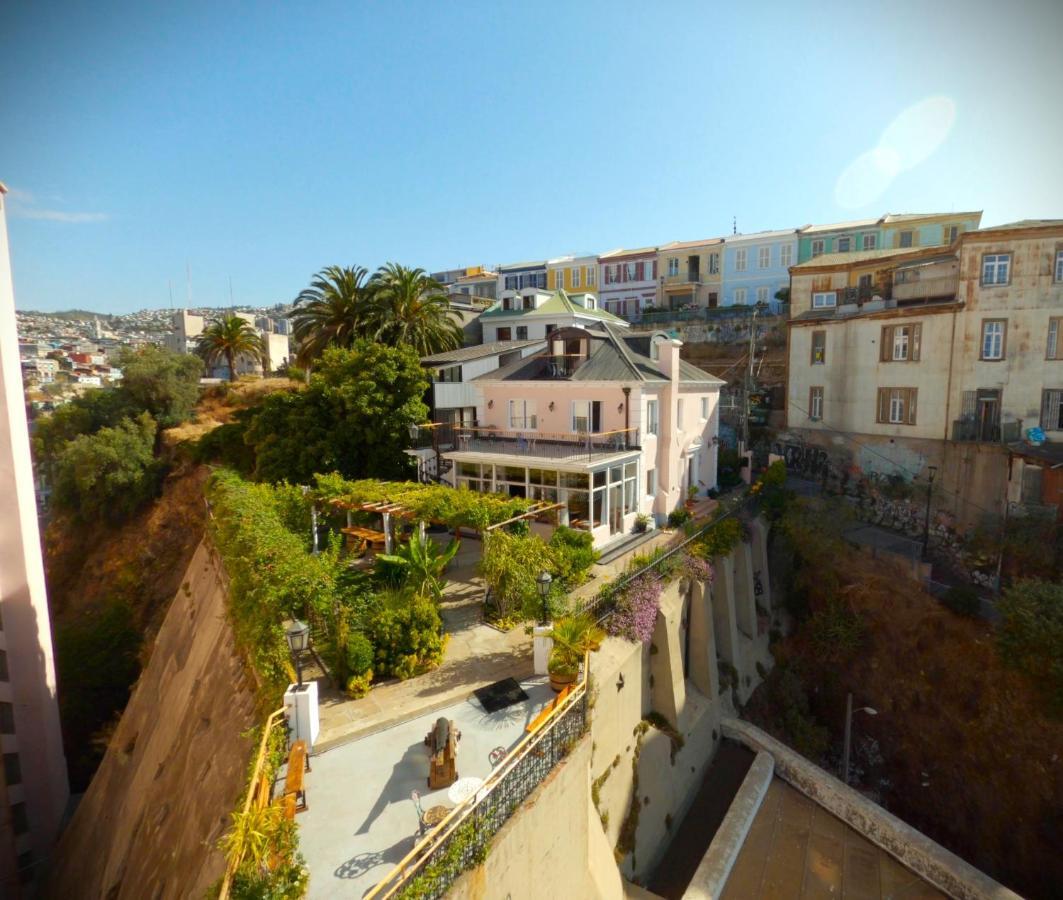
(263, 142)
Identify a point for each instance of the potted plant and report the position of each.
(642, 523)
(692, 493)
(574, 637)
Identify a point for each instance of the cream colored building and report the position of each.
(904, 359)
(689, 273)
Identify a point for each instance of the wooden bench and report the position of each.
(367, 536)
(298, 765)
(535, 724)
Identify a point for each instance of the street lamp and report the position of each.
(544, 581)
(849, 731)
(298, 635)
(931, 472)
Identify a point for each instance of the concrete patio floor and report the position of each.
(361, 820)
(477, 655)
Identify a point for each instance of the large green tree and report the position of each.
(410, 307)
(161, 382)
(353, 417)
(109, 474)
(229, 338)
(331, 312)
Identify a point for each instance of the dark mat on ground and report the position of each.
(500, 695)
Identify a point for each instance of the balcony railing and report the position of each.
(926, 288)
(549, 445)
(986, 431)
(691, 276)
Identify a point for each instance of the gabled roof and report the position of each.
(477, 351)
(558, 304)
(755, 236)
(623, 252)
(854, 257)
(612, 357)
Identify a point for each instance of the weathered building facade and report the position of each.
(689, 274)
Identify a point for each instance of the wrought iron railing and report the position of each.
(551, 445)
(986, 431)
(461, 840)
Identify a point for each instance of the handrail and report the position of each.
(252, 791)
(409, 866)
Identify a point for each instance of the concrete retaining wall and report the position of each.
(910, 847)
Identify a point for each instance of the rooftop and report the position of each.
(1021, 225)
(841, 260)
(561, 303)
(689, 245)
(607, 356)
(477, 351)
(892, 218)
(840, 226)
(622, 252)
(760, 236)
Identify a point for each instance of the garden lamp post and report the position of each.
(849, 731)
(298, 635)
(544, 581)
(931, 472)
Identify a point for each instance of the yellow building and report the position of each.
(926, 230)
(574, 274)
(689, 273)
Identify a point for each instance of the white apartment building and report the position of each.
(33, 775)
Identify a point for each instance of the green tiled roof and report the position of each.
(558, 304)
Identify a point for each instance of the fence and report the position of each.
(461, 840)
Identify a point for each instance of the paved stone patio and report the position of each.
(361, 820)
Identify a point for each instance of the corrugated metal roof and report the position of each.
(840, 226)
(558, 304)
(477, 351)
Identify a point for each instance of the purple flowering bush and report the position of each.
(636, 610)
(696, 568)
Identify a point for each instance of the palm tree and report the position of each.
(424, 563)
(230, 338)
(410, 307)
(331, 312)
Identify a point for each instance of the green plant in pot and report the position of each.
(574, 637)
(642, 523)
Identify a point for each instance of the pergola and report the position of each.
(385, 511)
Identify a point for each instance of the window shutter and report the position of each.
(912, 393)
(883, 405)
(917, 335)
(886, 350)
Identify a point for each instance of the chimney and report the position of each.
(668, 357)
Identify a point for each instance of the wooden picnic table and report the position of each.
(366, 535)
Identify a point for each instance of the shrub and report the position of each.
(836, 630)
(1031, 635)
(510, 565)
(962, 599)
(696, 568)
(636, 609)
(358, 685)
(720, 540)
(573, 554)
(225, 446)
(407, 635)
(359, 654)
(678, 517)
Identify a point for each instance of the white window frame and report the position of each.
(1051, 401)
(997, 266)
(590, 275)
(527, 415)
(1058, 273)
(764, 257)
(992, 344)
(714, 263)
(838, 244)
(651, 482)
(902, 342)
(819, 247)
(653, 422)
(815, 403)
(704, 409)
(740, 296)
(786, 256)
(559, 279)
(588, 406)
(740, 259)
(673, 266)
(911, 238)
(897, 411)
(762, 294)
(869, 242)
(1052, 348)
(575, 276)
(824, 299)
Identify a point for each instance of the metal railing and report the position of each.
(986, 432)
(701, 314)
(461, 840)
(926, 288)
(546, 444)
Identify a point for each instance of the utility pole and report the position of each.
(747, 386)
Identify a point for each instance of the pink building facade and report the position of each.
(33, 778)
(628, 282)
(608, 425)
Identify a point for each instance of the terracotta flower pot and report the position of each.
(560, 682)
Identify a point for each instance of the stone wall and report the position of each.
(149, 824)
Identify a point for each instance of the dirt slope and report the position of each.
(967, 753)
